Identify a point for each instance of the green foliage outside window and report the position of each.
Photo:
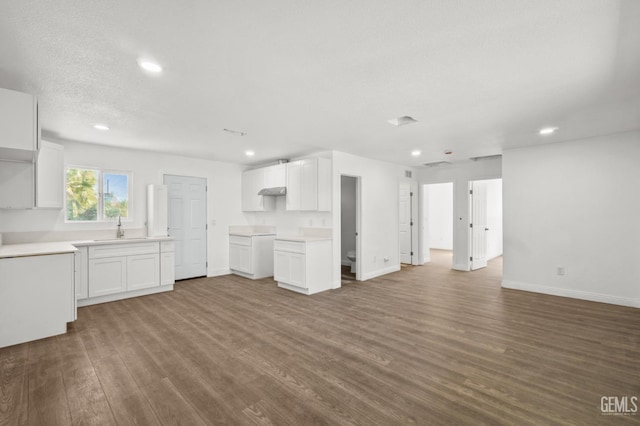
(83, 194)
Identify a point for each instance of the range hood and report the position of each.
(278, 190)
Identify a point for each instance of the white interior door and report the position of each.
(188, 224)
(405, 223)
(478, 197)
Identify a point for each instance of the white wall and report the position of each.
(348, 203)
(460, 175)
(379, 226)
(494, 218)
(440, 215)
(223, 207)
(574, 204)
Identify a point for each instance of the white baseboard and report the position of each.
(124, 295)
(380, 272)
(458, 267)
(574, 294)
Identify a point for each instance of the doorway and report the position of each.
(350, 253)
(405, 212)
(438, 221)
(485, 230)
(187, 219)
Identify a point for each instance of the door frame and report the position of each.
(425, 256)
(358, 223)
(206, 211)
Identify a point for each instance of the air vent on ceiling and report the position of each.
(407, 173)
(436, 163)
(486, 157)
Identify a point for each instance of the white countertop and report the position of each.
(120, 241)
(302, 238)
(59, 247)
(36, 249)
(251, 234)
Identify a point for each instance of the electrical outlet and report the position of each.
(560, 270)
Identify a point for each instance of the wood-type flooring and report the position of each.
(425, 346)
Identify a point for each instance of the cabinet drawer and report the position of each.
(240, 241)
(289, 246)
(167, 246)
(127, 249)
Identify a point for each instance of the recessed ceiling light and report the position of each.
(401, 121)
(416, 153)
(547, 130)
(149, 66)
(249, 153)
(101, 127)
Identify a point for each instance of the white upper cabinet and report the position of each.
(275, 176)
(50, 176)
(294, 185)
(19, 131)
(309, 185)
(24, 185)
(252, 182)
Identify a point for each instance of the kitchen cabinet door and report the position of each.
(143, 271)
(167, 268)
(297, 270)
(240, 258)
(107, 275)
(281, 266)
(50, 175)
(309, 184)
(18, 125)
(289, 268)
(294, 185)
(252, 183)
(81, 273)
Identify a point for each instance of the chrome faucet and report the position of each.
(120, 233)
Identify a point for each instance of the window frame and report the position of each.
(100, 217)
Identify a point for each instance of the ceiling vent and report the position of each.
(486, 157)
(401, 121)
(436, 163)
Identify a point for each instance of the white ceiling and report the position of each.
(298, 76)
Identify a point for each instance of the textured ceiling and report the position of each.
(478, 75)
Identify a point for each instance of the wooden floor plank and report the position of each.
(14, 385)
(425, 345)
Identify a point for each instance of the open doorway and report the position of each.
(438, 237)
(485, 230)
(350, 228)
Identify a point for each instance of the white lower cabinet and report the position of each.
(107, 276)
(81, 272)
(303, 266)
(124, 269)
(143, 271)
(167, 263)
(251, 256)
(36, 297)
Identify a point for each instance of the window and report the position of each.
(96, 195)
